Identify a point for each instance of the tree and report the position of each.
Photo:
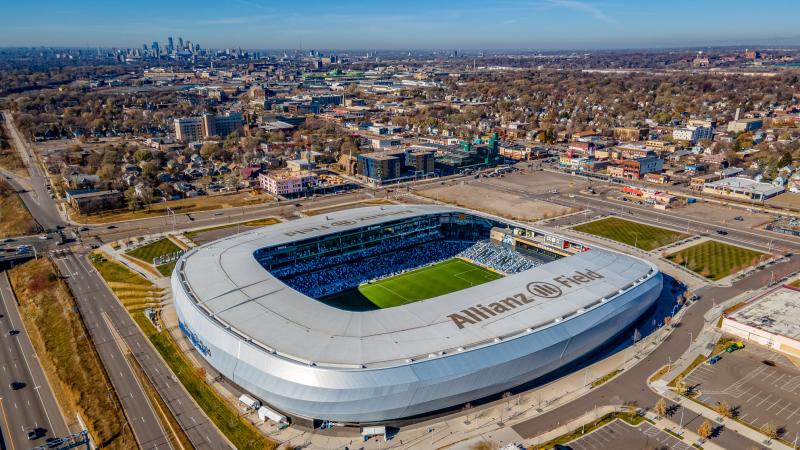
(142, 155)
(232, 140)
(785, 160)
(723, 409)
(209, 150)
(106, 171)
(705, 429)
(770, 430)
(131, 199)
(661, 407)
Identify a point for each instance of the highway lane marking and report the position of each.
(25, 358)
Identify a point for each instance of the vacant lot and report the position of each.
(187, 205)
(15, 220)
(636, 234)
(716, 260)
(155, 249)
(9, 158)
(67, 356)
(483, 197)
(432, 281)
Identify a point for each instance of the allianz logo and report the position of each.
(538, 289)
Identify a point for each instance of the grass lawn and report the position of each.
(15, 220)
(166, 269)
(251, 223)
(644, 237)
(67, 356)
(136, 293)
(438, 279)
(148, 252)
(715, 260)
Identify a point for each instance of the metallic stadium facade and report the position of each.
(308, 359)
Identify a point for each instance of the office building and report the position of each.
(188, 129)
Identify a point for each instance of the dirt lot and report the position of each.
(485, 198)
(786, 200)
(540, 182)
(711, 212)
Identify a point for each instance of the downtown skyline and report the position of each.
(356, 24)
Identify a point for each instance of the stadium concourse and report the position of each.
(478, 305)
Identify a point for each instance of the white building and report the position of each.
(772, 320)
(693, 134)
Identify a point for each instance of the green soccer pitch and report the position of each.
(432, 281)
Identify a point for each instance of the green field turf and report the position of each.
(160, 247)
(432, 281)
(644, 237)
(715, 260)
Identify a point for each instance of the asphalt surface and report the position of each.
(36, 198)
(90, 292)
(32, 407)
(631, 386)
(99, 307)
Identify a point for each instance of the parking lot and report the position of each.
(620, 435)
(760, 385)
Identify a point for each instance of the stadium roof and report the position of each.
(233, 287)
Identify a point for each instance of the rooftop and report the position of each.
(777, 312)
(231, 286)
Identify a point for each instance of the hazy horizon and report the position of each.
(504, 25)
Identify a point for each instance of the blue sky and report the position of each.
(378, 24)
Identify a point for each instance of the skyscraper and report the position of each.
(180, 43)
(170, 45)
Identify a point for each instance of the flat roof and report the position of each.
(745, 184)
(777, 312)
(225, 278)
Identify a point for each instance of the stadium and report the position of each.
(376, 314)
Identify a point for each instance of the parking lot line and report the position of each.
(787, 405)
(765, 399)
(754, 396)
(793, 413)
(773, 405)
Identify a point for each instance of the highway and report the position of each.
(99, 307)
(33, 406)
(37, 199)
(88, 290)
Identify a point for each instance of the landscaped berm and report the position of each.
(716, 260)
(639, 235)
(431, 281)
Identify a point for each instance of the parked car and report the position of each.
(735, 346)
(713, 360)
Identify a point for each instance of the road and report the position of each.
(596, 204)
(631, 385)
(89, 290)
(99, 307)
(43, 208)
(33, 407)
